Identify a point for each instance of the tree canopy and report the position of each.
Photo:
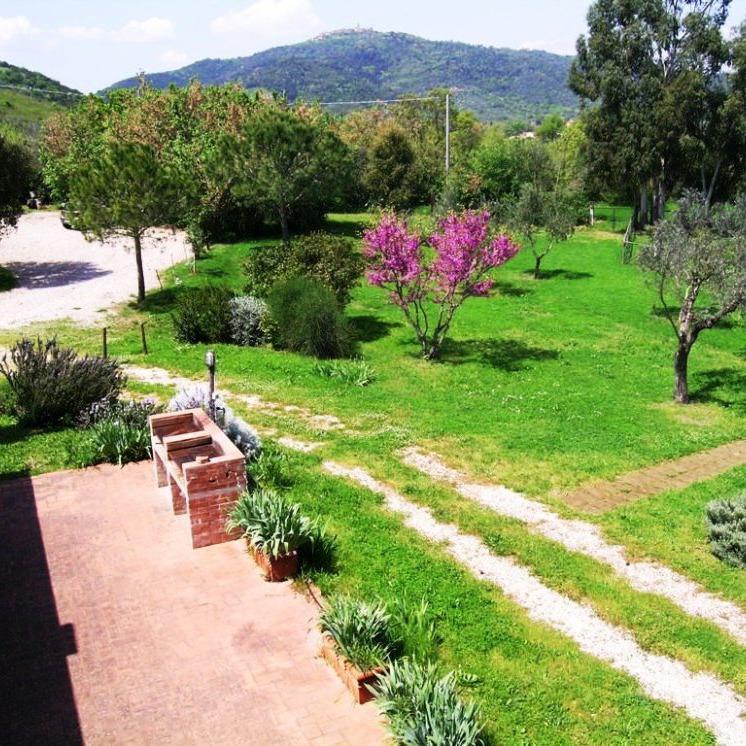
(657, 71)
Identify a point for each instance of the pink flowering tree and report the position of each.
(430, 281)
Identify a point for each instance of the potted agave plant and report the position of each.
(274, 529)
(358, 643)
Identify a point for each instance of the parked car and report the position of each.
(67, 216)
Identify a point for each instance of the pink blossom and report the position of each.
(463, 253)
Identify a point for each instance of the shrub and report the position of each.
(242, 435)
(423, 707)
(272, 524)
(307, 319)
(50, 384)
(248, 320)
(203, 315)
(330, 259)
(727, 526)
(353, 372)
(360, 631)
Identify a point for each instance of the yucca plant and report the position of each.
(361, 631)
(273, 525)
(424, 708)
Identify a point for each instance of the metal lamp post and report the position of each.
(210, 363)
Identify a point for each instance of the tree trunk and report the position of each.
(284, 227)
(140, 273)
(537, 266)
(642, 217)
(680, 363)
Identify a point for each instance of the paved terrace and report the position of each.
(114, 630)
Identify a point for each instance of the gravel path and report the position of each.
(703, 696)
(585, 538)
(61, 275)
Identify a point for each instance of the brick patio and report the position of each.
(119, 632)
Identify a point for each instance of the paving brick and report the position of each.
(174, 646)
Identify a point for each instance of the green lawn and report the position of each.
(548, 385)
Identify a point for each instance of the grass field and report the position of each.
(548, 385)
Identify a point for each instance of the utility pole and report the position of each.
(448, 131)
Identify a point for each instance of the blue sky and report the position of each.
(89, 44)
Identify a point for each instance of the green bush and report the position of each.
(50, 384)
(203, 315)
(727, 525)
(307, 319)
(424, 707)
(332, 260)
(248, 320)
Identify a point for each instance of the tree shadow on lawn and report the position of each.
(506, 354)
(565, 274)
(511, 290)
(723, 386)
(371, 328)
(157, 301)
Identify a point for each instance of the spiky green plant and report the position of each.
(424, 708)
(271, 523)
(361, 631)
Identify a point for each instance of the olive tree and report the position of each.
(698, 257)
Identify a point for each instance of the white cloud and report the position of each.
(133, 32)
(83, 32)
(14, 28)
(173, 59)
(152, 29)
(269, 18)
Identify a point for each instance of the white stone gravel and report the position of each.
(703, 696)
(585, 538)
(61, 275)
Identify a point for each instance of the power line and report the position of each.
(379, 101)
(28, 89)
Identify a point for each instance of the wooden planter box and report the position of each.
(353, 679)
(275, 569)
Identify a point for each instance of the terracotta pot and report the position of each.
(353, 679)
(275, 568)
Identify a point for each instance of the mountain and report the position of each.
(27, 98)
(361, 64)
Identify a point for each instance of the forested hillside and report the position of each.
(497, 84)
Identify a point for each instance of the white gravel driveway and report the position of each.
(61, 275)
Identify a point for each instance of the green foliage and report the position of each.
(271, 523)
(332, 260)
(414, 628)
(271, 469)
(248, 320)
(423, 707)
(17, 175)
(307, 318)
(50, 384)
(726, 522)
(204, 315)
(360, 631)
(352, 372)
(387, 176)
(287, 162)
(118, 432)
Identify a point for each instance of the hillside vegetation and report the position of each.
(496, 84)
(27, 98)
